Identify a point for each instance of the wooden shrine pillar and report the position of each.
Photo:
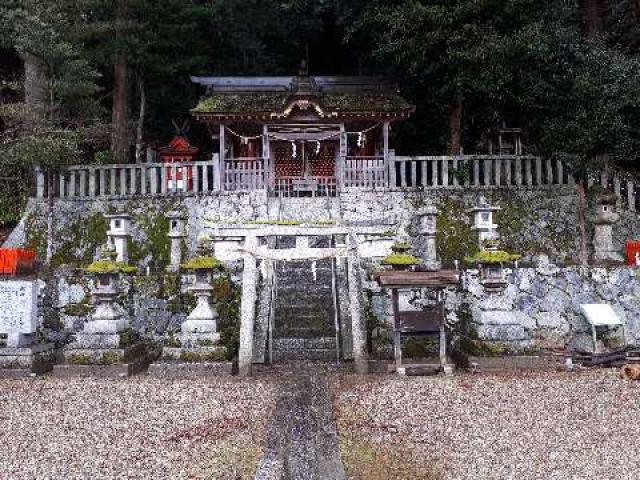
(342, 158)
(266, 155)
(223, 143)
(385, 152)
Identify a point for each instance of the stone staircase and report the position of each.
(304, 315)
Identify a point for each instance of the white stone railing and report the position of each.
(476, 171)
(365, 172)
(244, 174)
(128, 180)
(397, 173)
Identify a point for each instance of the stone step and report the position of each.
(292, 343)
(303, 332)
(309, 354)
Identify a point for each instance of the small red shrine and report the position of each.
(174, 155)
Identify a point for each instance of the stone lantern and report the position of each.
(202, 323)
(483, 220)
(118, 234)
(177, 235)
(428, 216)
(606, 217)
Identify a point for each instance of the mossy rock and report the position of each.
(204, 262)
(401, 259)
(109, 266)
(493, 257)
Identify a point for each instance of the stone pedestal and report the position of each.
(196, 352)
(21, 355)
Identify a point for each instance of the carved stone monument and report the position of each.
(177, 235)
(22, 354)
(606, 217)
(428, 217)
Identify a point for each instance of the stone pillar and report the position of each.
(118, 234)
(483, 221)
(428, 216)
(177, 235)
(247, 308)
(606, 217)
(358, 331)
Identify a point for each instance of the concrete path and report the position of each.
(301, 441)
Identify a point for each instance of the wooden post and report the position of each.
(397, 345)
(385, 153)
(342, 158)
(222, 157)
(266, 156)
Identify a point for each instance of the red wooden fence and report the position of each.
(632, 247)
(16, 260)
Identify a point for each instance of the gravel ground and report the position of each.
(568, 426)
(141, 428)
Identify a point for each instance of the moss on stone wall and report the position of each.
(455, 238)
(35, 229)
(154, 227)
(79, 241)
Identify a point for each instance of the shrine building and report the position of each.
(302, 135)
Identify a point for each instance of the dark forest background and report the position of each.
(96, 80)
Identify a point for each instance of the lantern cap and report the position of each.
(482, 205)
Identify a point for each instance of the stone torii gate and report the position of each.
(250, 243)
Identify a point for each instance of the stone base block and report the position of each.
(101, 326)
(199, 326)
(197, 340)
(214, 353)
(104, 362)
(177, 369)
(88, 341)
(20, 362)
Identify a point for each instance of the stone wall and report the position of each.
(538, 308)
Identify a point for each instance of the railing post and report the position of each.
(143, 180)
(133, 173)
(549, 172)
(61, 179)
(217, 186)
(445, 172)
(163, 179)
(112, 183)
(538, 171)
(92, 182)
(83, 183)
(434, 173)
(72, 183)
(195, 178)
(487, 172)
(560, 172)
(454, 181)
(39, 183)
(123, 181)
(476, 171)
(508, 165)
(518, 166)
(528, 164)
(392, 170)
(498, 171)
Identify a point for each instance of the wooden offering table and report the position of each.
(423, 322)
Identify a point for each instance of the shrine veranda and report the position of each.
(302, 202)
